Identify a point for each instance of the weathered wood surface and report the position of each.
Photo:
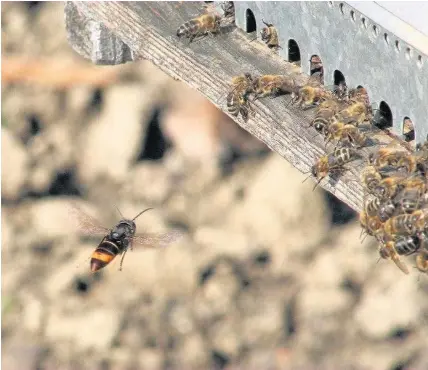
(148, 29)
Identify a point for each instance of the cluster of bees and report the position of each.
(396, 203)
(395, 209)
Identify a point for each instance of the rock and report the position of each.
(318, 309)
(191, 124)
(14, 166)
(7, 241)
(180, 319)
(109, 146)
(50, 28)
(79, 98)
(192, 353)
(259, 359)
(353, 258)
(279, 211)
(52, 218)
(325, 268)
(225, 336)
(94, 328)
(21, 352)
(40, 179)
(389, 302)
(261, 315)
(33, 314)
(218, 241)
(219, 287)
(178, 269)
(62, 277)
(53, 148)
(150, 359)
(149, 182)
(380, 355)
(222, 197)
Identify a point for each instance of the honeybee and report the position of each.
(371, 224)
(341, 91)
(408, 130)
(356, 112)
(371, 206)
(237, 98)
(324, 113)
(420, 217)
(386, 210)
(389, 187)
(347, 135)
(423, 146)
(422, 261)
(228, 9)
(401, 225)
(310, 94)
(269, 36)
(206, 24)
(118, 239)
(400, 246)
(316, 66)
(238, 103)
(273, 85)
(243, 81)
(410, 197)
(359, 94)
(370, 178)
(421, 158)
(394, 157)
(334, 162)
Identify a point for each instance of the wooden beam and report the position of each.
(149, 30)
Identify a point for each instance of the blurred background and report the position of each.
(268, 275)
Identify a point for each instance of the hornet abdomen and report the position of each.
(104, 254)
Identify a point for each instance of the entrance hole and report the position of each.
(293, 52)
(251, 21)
(383, 116)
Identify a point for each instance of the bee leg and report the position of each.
(121, 260)
(191, 39)
(195, 36)
(327, 139)
(212, 34)
(244, 114)
(399, 264)
(422, 261)
(306, 106)
(257, 96)
(317, 183)
(252, 111)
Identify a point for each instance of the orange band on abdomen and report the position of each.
(105, 257)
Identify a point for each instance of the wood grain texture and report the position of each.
(149, 29)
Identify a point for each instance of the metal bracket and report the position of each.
(364, 42)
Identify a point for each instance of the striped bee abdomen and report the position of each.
(233, 104)
(104, 254)
(187, 28)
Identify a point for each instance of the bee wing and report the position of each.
(156, 240)
(87, 225)
(227, 96)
